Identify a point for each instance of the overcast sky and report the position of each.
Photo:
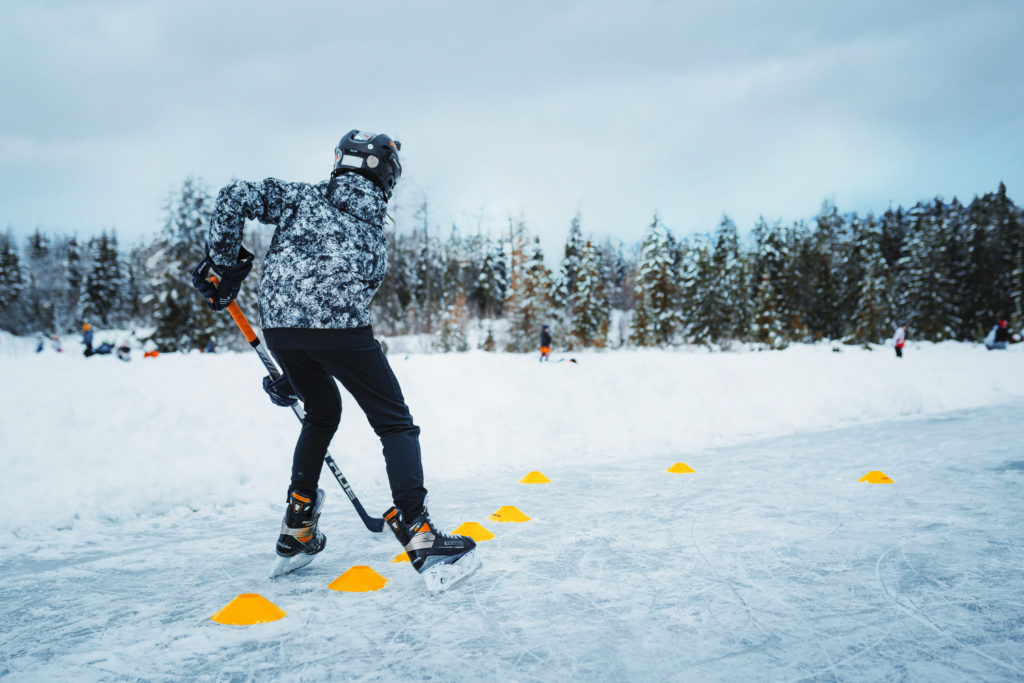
(615, 109)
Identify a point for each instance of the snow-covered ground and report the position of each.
(141, 497)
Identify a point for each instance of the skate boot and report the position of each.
(300, 539)
(441, 559)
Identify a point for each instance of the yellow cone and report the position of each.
(474, 530)
(534, 478)
(247, 609)
(680, 468)
(358, 579)
(509, 513)
(876, 477)
(401, 557)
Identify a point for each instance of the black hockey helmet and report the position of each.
(372, 155)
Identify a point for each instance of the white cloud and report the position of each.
(693, 109)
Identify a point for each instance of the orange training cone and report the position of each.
(358, 579)
(535, 478)
(876, 477)
(474, 530)
(248, 609)
(680, 468)
(509, 513)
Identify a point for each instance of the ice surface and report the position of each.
(140, 499)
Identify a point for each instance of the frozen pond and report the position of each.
(770, 561)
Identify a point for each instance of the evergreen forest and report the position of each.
(946, 269)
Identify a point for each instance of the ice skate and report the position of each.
(441, 559)
(300, 539)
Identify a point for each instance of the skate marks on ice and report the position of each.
(770, 562)
(919, 579)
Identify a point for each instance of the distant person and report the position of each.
(104, 349)
(40, 345)
(124, 352)
(87, 339)
(899, 339)
(56, 343)
(210, 347)
(545, 342)
(998, 337)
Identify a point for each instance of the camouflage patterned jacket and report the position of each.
(328, 254)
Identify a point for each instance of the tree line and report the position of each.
(947, 270)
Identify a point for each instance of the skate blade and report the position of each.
(286, 565)
(443, 576)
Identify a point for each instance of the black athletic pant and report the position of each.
(313, 359)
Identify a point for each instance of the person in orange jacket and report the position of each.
(545, 342)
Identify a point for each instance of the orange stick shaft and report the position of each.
(240, 320)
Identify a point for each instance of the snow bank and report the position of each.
(96, 437)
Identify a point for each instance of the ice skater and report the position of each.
(326, 260)
(87, 339)
(998, 337)
(545, 342)
(899, 339)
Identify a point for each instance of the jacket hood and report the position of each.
(359, 197)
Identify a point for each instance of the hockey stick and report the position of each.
(374, 524)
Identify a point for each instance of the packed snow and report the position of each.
(142, 497)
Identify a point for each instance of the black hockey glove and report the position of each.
(280, 391)
(220, 297)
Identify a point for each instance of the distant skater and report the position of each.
(87, 339)
(899, 339)
(998, 337)
(545, 342)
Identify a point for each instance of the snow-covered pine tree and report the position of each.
(768, 324)
(430, 266)
(565, 286)
(926, 287)
(852, 272)
(796, 291)
(825, 275)
(995, 256)
(728, 307)
(528, 303)
(100, 300)
(13, 312)
(616, 272)
(43, 282)
(471, 257)
(656, 317)
(591, 310)
(135, 294)
(183, 320)
(451, 329)
(455, 259)
(893, 237)
(767, 327)
(957, 264)
(872, 321)
(70, 276)
(537, 285)
(392, 300)
(489, 290)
